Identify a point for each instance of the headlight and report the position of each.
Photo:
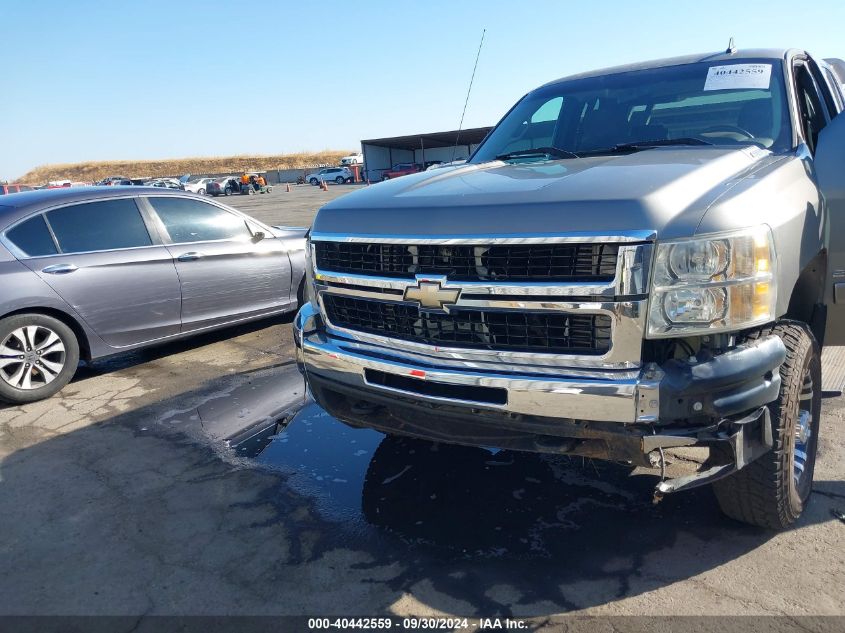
(714, 284)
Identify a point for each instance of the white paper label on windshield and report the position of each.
(738, 76)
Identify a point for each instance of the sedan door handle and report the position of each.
(59, 269)
(189, 257)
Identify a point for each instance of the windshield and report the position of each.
(719, 103)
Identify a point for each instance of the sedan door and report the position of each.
(101, 258)
(227, 271)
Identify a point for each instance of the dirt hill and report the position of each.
(178, 166)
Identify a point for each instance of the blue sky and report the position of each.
(127, 80)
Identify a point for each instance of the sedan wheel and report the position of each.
(38, 356)
(201, 191)
(313, 181)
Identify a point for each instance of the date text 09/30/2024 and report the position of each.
(444, 624)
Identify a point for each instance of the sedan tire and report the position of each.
(38, 357)
(313, 181)
(201, 191)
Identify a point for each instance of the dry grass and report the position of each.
(97, 170)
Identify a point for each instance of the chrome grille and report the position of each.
(536, 331)
(564, 262)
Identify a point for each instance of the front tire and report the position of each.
(38, 357)
(772, 491)
(339, 180)
(313, 182)
(227, 191)
(201, 191)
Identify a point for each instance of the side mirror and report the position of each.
(256, 233)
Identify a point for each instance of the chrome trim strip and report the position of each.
(605, 400)
(476, 238)
(542, 366)
(474, 287)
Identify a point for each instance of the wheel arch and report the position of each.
(806, 301)
(64, 317)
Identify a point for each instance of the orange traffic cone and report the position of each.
(288, 188)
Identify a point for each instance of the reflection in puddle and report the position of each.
(324, 459)
(472, 501)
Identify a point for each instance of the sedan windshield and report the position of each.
(718, 103)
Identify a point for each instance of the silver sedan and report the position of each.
(93, 271)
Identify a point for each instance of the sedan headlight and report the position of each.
(714, 284)
(310, 292)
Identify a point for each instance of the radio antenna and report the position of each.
(469, 90)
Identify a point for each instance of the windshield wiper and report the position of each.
(638, 145)
(686, 140)
(538, 151)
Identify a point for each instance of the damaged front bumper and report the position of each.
(619, 415)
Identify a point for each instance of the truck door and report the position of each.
(830, 173)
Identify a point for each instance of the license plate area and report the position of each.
(466, 393)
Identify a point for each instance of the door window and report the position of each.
(99, 226)
(33, 238)
(189, 220)
(809, 106)
(835, 90)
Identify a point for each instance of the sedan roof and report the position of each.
(17, 205)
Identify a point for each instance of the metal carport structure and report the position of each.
(382, 153)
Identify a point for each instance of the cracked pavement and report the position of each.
(114, 501)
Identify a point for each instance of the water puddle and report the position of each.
(469, 500)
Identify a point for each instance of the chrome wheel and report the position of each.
(803, 428)
(31, 357)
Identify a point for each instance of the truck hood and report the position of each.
(666, 190)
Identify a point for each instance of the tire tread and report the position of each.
(759, 494)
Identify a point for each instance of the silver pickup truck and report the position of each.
(636, 262)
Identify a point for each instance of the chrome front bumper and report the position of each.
(625, 396)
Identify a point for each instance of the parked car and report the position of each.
(654, 266)
(14, 188)
(441, 165)
(352, 159)
(168, 183)
(91, 272)
(337, 175)
(224, 186)
(400, 169)
(198, 185)
(110, 180)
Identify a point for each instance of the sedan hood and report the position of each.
(665, 190)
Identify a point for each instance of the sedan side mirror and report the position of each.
(255, 231)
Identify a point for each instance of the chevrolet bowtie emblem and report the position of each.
(430, 295)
